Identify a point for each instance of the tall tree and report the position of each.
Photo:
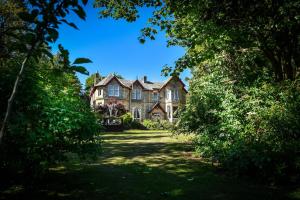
(43, 19)
(272, 27)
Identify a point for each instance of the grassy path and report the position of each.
(139, 165)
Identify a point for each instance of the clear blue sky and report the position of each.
(113, 46)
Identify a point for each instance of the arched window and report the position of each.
(136, 113)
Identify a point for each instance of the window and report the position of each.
(99, 92)
(113, 90)
(136, 113)
(169, 94)
(137, 94)
(169, 111)
(175, 94)
(155, 96)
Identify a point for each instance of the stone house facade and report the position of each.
(142, 98)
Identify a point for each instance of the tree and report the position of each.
(49, 119)
(272, 27)
(43, 19)
(119, 76)
(91, 80)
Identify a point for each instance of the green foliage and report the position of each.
(127, 120)
(90, 81)
(236, 50)
(49, 119)
(157, 124)
(248, 128)
(270, 27)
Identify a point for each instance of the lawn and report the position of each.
(138, 165)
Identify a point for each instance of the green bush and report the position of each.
(127, 120)
(157, 124)
(137, 125)
(249, 128)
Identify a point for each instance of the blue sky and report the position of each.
(113, 46)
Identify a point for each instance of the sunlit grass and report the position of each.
(143, 165)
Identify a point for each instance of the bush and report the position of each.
(249, 128)
(157, 124)
(127, 120)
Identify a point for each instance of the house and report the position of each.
(143, 98)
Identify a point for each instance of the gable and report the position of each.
(156, 106)
(172, 82)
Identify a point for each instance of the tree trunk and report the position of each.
(12, 96)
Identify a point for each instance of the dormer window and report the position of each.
(113, 90)
(137, 94)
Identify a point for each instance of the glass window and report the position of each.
(99, 92)
(169, 111)
(155, 96)
(136, 94)
(113, 90)
(176, 95)
(136, 113)
(116, 90)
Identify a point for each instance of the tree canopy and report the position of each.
(269, 27)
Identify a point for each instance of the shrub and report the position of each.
(127, 120)
(157, 124)
(250, 129)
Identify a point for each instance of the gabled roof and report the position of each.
(140, 83)
(129, 83)
(171, 78)
(157, 105)
(111, 77)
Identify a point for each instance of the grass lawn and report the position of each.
(138, 165)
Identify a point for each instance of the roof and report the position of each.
(157, 105)
(148, 85)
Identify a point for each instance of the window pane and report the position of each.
(139, 94)
(133, 94)
(110, 90)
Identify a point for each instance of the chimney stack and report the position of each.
(145, 79)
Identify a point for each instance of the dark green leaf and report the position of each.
(26, 16)
(69, 23)
(81, 61)
(53, 34)
(80, 69)
(80, 12)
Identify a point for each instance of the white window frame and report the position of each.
(169, 94)
(99, 92)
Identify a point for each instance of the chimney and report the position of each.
(145, 79)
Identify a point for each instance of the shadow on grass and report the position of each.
(138, 181)
(144, 169)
